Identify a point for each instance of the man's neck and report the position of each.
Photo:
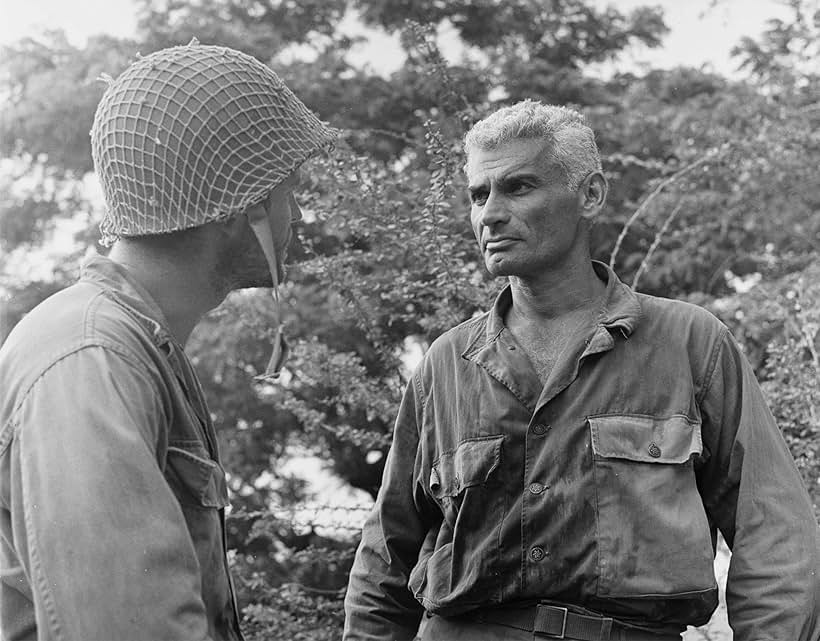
(180, 285)
(556, 293)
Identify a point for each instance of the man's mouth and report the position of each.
(498, 244)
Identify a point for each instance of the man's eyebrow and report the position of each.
(524, 174)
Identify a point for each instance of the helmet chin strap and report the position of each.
(261, 229)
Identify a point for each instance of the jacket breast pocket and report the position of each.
(462, 565)
(653, 534)
(196, 479)
(470, 465)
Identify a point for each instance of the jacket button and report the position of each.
(537, 488)
(540, 429)
(654, 451)
(537, 553)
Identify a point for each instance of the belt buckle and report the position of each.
(542, 615)
(563, 623)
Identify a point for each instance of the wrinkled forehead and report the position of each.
(530, 155)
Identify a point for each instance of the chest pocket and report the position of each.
(461, 566)
(653, 534)
(196, 480)
(471, 464)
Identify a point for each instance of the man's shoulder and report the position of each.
(454, 342)
(77, 317)
(680, 318)
(462, 335)
(60, 318)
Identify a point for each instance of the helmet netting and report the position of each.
(193, 134)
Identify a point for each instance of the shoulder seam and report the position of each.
(93, 304)
(712, 364)
(419, 385)
(117, 349)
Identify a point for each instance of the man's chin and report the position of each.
(499, 269)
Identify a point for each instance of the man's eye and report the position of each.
(518, 187)
(478, 198)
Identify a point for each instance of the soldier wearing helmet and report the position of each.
(112, 493)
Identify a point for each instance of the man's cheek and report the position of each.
(476, 230)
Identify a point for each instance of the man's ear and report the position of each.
(592, 195)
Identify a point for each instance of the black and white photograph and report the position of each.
(410, 320)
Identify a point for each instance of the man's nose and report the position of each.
(295, 210)
(493, 211)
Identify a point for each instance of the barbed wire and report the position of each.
(348, 518)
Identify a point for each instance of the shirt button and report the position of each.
(540, 429)
(537, 488)
(654, 451)
(537, 553)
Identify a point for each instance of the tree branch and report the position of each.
(655, 243)
(645, 204)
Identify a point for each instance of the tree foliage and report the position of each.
(713, 187)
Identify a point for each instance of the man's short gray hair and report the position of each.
(568, 138)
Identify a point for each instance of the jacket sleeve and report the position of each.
(378, 604)
(753, 492)
(98, 530)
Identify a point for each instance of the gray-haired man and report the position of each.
(561, 464)
(112, 494)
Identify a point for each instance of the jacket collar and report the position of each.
(499, 357)
(621, 308)
(124, 288)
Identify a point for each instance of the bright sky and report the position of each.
(700, 33)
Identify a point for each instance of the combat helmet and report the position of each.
(193, 134)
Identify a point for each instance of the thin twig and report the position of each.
(807, 108)
(717, 272)
(339, 592)
(804, 335)
(645, 204)
(655, 243)
(815, 357)
(392, 134)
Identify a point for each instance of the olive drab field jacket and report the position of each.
(112, 495)
(602, 488)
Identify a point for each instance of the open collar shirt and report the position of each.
(603, 488)
(112, 494)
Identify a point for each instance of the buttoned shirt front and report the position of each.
(602, 488)
(112, 494)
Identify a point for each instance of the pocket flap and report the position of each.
(472, 463)
(200, 479)
(646, 439)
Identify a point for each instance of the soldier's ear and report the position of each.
(592, 194)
